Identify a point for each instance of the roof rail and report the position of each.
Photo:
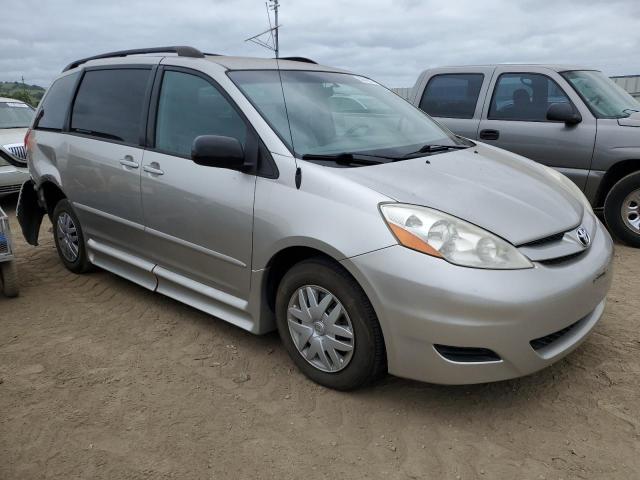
(182, 51)
(299, 59)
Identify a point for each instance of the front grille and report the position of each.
(9, 189)
(542, 342)
(559, 260)
(19, 151)
(556, 237)
(467, 354)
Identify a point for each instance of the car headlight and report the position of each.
(568, 184)
(444, 236)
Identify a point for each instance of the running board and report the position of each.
(207, 299)
(153, 277)
(123, 264)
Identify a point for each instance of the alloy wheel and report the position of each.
(68, 240)
(630, 211)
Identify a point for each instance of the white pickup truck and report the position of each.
(573, 119)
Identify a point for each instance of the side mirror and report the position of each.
(563, 112)
(218, 151)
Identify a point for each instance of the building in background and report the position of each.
(631, 83)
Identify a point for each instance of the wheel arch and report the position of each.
(50, 193)
(614, 174)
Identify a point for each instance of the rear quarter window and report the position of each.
(55, 105)
(452, 95)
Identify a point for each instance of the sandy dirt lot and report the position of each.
(101, 379)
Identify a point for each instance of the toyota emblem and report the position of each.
(583, 236)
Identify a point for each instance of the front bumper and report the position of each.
(422, 301)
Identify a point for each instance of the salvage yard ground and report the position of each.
(102, 379)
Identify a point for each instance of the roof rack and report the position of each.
(298, 59)
(181, 51)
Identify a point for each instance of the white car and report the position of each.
(15, 118)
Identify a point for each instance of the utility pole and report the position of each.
(271, 42)
(275, 11)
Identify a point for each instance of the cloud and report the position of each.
(391, 40)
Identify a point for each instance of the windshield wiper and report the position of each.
(630, 110)
(433, 148)
(344, 158)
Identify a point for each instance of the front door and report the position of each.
(515, 119)
(199, 219)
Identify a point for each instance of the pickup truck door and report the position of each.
(514, 118)
(454, 97)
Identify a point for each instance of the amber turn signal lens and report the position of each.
(414, 242)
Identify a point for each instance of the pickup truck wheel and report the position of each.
(69, 239)
(9, 278)
(328, 326)
(622, 209)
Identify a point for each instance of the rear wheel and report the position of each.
(328, 326)
(69, 239)
(9, 278)
(622, 209)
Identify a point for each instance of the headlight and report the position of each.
(567, 183)
(444, 236)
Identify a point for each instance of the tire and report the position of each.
(9, 278)
(64, 217)
(342, 369)
(622, 209)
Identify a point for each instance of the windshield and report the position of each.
(335, 113)
(604, 98)
(15, 115)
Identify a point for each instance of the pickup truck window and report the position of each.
(524, 97)
(452, 95)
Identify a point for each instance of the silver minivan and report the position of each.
(571, 118)
(285, 194)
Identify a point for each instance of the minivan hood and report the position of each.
(510, 196)
(9, 136)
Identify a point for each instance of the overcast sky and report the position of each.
(388, 40)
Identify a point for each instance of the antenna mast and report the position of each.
(271, 41)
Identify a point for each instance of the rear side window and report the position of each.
(190, 106)
(452, 95)
(110, 104)
(524, 97)
(54, 108)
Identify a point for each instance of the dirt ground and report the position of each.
(100, 379)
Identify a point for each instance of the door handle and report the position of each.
(489, 134)
(153, 168)
(128, 161)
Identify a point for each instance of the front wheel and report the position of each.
(328, 326)
(622, 209)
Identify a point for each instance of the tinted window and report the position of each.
(190, 106)
(55, 105)
(524, 96)
(452, 95)
(110, 104)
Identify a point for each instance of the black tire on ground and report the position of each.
(9, 279)
(81, 264)
(368, 361)
(613, 205)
